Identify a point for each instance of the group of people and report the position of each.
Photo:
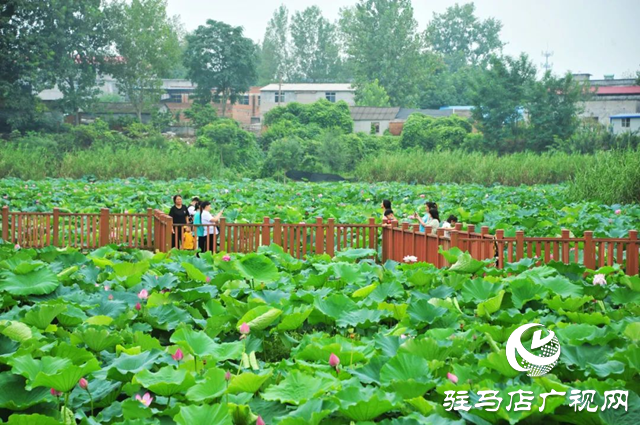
(430, 219)
(198, 212)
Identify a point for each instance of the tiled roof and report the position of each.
(370, 113)
(619, 90)
(404, 113)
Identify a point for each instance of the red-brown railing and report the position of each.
(406, 240)
(298, 240)
(155, 230)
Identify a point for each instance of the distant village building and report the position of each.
(611, 97)
(625, 122)
(274, 95)
(376, 120)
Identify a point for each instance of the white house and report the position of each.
(625, 122)
(280, 94)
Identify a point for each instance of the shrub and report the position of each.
(201, 115)
(230, 143)
(284, 154)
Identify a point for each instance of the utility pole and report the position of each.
(546, 65)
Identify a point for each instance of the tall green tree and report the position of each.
(463, 39)
(499, 98)
(146, 47)
(553, 106)
(77, 42)
(372, 94)
(314, 47)
(381, 41)
(275, 62)
(221, 61)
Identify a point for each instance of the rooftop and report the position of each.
(620, 116)
(368, 113)
(309, 87)
(436, 113)
(616, 90)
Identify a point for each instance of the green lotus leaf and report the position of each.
(499, 363)
(297, 388)
(259, 318)
(66, 378)
(213, 386)
(257, 267)
(216, 414)
(41, 316)
(15, 330)
(293, 320)
(422, 311)
(40, 281)
(201, 345)
(132, 409)
(567, 304)
(310, 413)
(126, 364)
(353, 254)
(29, 367)
(479, 290)
(363, 404)
(404, 367)
(248, 382)
(97, 339)
(14, 396)
(166, 382)
(34, 419)
(491, 305)
(168, 316)
(193, 273)
(632, 331)
(346, 312)
(348, 273)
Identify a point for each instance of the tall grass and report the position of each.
(462, 167)
(609, 177)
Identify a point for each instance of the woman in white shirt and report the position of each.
(450, 223)
(210, 223)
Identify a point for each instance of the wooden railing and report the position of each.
(406, 240)
(155, 230)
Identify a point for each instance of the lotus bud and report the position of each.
(143, 295)
(599, 279)
(83, 383)
(227, 376)
(226, 257)
(451, 377)
(260, 421)
(334, 360)
(138, 306)
(245, 329)
(178, 355)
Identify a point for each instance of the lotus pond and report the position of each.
(538, 210)
(131, 337)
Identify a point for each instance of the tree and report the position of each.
(233, 145)
(201, 115)
(275, 64)
(221, 61)
(147, 47)
(372, 94)
(77, 41)
(499, 96)
(553, 105)
(461, 38)
(381, 42)
(284, 154)
(315, 52)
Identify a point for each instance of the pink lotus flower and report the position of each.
(17, 246)
(319, 195)
(6, 197)
(55, 393)
(618, 212)
(599, 279)
(178, 355)
(422, 196)
(143, 295)
(138, 306)
(227, 376)
(107, 287)
(245, 329)
(110, 297)
(334, 360)
(146, 399)
(208, 279)
(260, 421)
(451, 377)
(97, 285)
(226, 257)
(410, 259)
(83, 383)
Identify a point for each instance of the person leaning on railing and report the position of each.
(430, 219)
(210, 223)
(387, 216)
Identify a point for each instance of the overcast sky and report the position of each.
(595, 36)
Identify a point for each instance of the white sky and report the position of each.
(595, 36)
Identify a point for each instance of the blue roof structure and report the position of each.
(620, 116)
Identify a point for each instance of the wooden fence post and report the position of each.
(485, 250)
(222, 234)
(589, 250)
(104, 227)
(438, 257)
(149, 227)
(519, 245)
(56, 227)
(169, 232)
(5, 223)
(277, 232)
(319, 236)
(566, 237)
(330, 237)
(373, 233)
(632, 254)
(500, 245)
(266, 231)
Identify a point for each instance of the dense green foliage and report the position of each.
(429, 133)
(542, 210)
(221, 62)
(135, 337)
